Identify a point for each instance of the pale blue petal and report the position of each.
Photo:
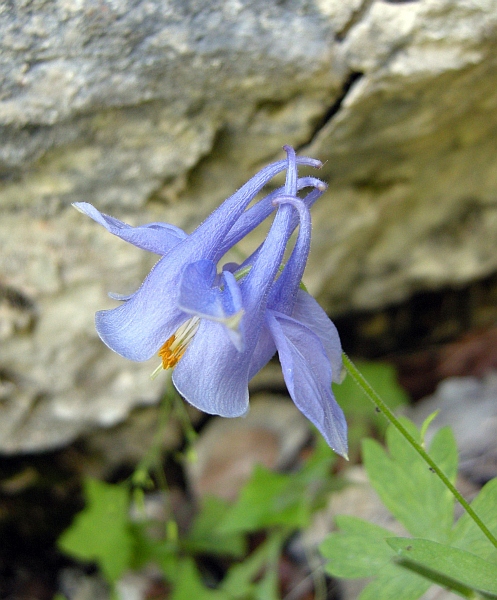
(256, 214)
(212, 375)
(120, 297)
(154, 237)
(200, 297)
(140, 326)
(264, 351)
(233, 308)
(284, 291)
(294, 221)
(308, 312)
(212, 232)
(307, 374)
(291, 171)
(196, 295)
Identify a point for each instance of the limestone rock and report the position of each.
(468, 405)
(227, 450)
(410, 156)
(158, 110)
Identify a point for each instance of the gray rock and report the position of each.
(227, 450)
(412, 203)
(469, 406)
(157, 110)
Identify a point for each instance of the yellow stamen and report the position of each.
(171, 352)
(174, 348)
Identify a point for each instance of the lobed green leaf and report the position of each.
(452, 563)
(100, 532)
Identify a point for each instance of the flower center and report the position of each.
(174, 348)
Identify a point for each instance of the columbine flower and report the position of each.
(218, 329)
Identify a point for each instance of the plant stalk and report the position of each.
(378, 402)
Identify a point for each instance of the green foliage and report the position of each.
(467, 536)
(101, 532)
(444, 564)
(456, 556)
(206, 535)
(190, 585)
(240, 582)
(362, 418)
(270, 499)
(411, 492)
(104, 533)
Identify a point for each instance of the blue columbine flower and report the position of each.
(219, 329)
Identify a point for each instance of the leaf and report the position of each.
(148, 549)
(461, 566)
(204, 535)
(426, 423)
(100, 532)
(270, 498)
(415, 496)
(239, 581)
(467, 536)
(267, 499)
(407, 487)
(360, 550)
(189, 585)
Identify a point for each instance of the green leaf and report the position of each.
(270, 499)
(204, 535)
(461, 566)
(100, 532)
(391, 584)
(467, 536)
(267, 499)
(415, 496)
(189, 585)
(407, 487)
(148, 549)
(239, 581)
(360, 550)
(426, 423)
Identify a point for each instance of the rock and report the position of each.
(227, 450)
(468, 405)
(77, 585)
(412, 198)
(158, 110)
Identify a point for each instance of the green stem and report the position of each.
(373, 396)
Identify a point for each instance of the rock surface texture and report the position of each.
(158, 109)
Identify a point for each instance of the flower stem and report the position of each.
(377, 401)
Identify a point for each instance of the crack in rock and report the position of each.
(335, 107)
(356, 16)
